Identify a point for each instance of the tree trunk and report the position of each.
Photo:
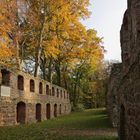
(76, 90)
(43, 67)
(74, 95)
(38, 51)
(65, 80)
(58, 73)
(19, 67)
(49, 76)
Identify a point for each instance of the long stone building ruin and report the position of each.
(26, 99)
(125, 86)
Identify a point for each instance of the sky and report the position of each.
(106, 18)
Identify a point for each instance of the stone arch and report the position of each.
(57, 92)
(55, 110)
(122, 123)
(61, 94)
(20, 82)
(53, 91)
(60, 109)
(38, 112)
(21, 112)
(64, 94)
(32, 85)
(40, 88)
(48, 111)
(47, 89)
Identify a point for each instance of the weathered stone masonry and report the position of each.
(128, 89)
(112, 97)
(26, 99)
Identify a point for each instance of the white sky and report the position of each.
(107, 18)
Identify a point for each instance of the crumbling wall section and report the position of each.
(112, 95)
(129, 87)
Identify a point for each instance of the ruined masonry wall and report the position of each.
(128, 89)
(112, 95)
(8, 104)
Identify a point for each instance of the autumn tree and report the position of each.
(6, 45)
(85, 59)
(13, 30)
(56, 26)
(46, 38)
(95, 87)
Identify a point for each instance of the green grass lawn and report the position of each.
(89, 120)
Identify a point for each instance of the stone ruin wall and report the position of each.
(128, 89)
(9, 101)
(112, 95)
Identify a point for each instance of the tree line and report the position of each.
(46, 38)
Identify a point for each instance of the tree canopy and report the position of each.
(46, 38)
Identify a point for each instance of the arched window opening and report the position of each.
(55, 110)
(48, 111)
(47, 89)
(38, 112)
(20, 82)
(60, 110)
(122, 123)
(57, 92)
(32, 85)
(5, 77)
(21, 112)
(64, 94)
(53, 91)
(40, 88)
(61, 94)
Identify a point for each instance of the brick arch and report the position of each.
(38, 112)
(122, 123)
(21, 112)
